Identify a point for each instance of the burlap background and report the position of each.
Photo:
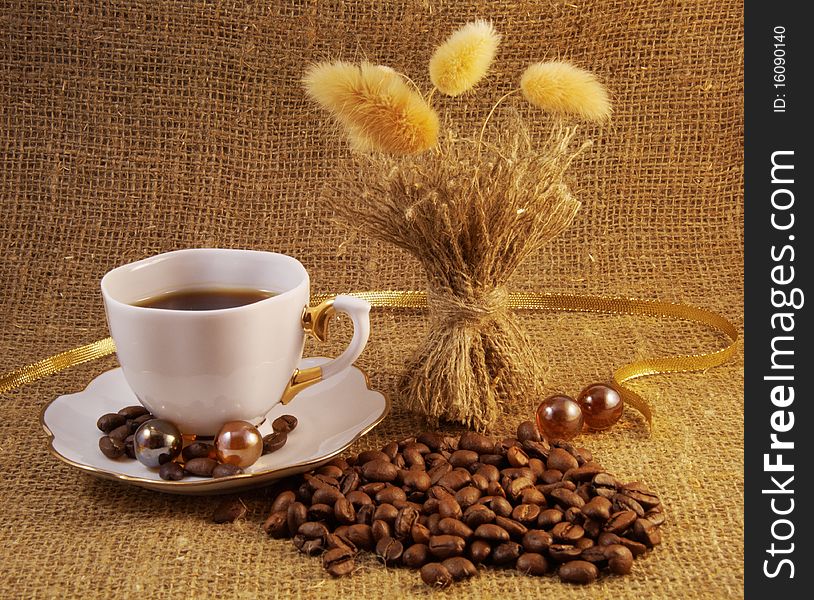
(133, 128)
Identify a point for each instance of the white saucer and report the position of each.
(332, 415)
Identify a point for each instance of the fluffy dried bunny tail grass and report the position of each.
(376, 107)
(464, 58)
(470, 220)
(563, 89)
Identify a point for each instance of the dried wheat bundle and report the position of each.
(470, 217)
(470, 209)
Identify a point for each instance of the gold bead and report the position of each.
(239, 443)
(559, 418)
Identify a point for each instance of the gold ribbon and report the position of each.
(517, 301)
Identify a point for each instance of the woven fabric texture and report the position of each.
(133, 128)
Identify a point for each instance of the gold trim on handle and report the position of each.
(301, 379)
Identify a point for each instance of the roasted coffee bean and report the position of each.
(578, 571)
(369, 455)
(507, 553)
(494, 460)
(549, 517)
(478, 514)
(405, 519)
(326, 495)
(129, 448)
(574, 515)
(320, 481)
(444, 546)
(567, 498)
(171, 471)
(330, 471)
(436, 575)
(527, 430)
(283, 500)
(312, 530)
(536, 541)
(516, 457)
(547, 488)
(385, 512)
(594, 554)
(390, 494)
(641, 494)
(533, 496)
(111, 447)
(567, 532)
(450, 526)
(620, 559)
(495, 489)
(389, 550)
(432, 440)
(491, 533)
(416, 480)
(657, 517)
(526, 513)
(338, 562)
(420, 533)
(358, 499)
(202, 467)
(304, 492)
(274, 441)
(476, 442)
(620, 522)
(413, 456)
(501, 506)
(646, 532)
(226, 470)
(372, 488)
(416, 556)
(320, 512)
(517, 486)
(450, 508)
(197, 450)
(120, 433)
(440, 493)
(380, 470)
(460, 568)
(432, 523)
(343, 511)
(584, 473)
(604, 484)
(380, 529)
(349, 482)
(479, 551)
(592, 528)
(584, 543)
(551, 476)
(467, 496)
(276, 525)
(361, 536)
(133, 412)
(624, 502)
(479, 482)
(531, 563)
(110, 421)
(539, 449)
(511, 473)
(463, 458)
(284, 424)
(512, 527)
(609, 539)
(229, 511)
(335, 540)
(296, 514)
(489, 472)
(598, 508)
(139, 421)
(364, 514)
(564, 552)
(455, 479)
(561, 460)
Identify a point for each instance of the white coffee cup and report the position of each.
(202, 368)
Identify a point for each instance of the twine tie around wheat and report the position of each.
(472, 306)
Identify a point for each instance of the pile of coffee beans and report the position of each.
(197, 458)
(447, 505)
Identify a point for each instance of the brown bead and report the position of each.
(601, 405)
(559, 418)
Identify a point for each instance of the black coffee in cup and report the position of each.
(205, 299)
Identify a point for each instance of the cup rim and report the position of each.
(145, 262)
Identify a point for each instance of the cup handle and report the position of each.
(315, 323)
